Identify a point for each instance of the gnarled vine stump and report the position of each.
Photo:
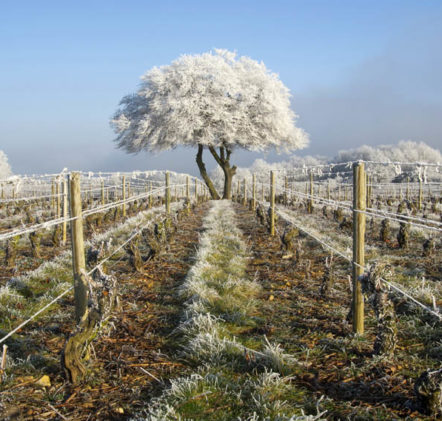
(378, 297)
(102, 297)
(428, 390)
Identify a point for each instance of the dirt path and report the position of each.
(131, 362)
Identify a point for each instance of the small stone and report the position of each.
(271, 298)
(119, 410)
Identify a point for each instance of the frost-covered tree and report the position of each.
(5, 169)
(405, 151)
(215, 101)
(411, 156)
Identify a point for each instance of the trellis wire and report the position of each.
(404, 293)
(24, 323)
(428, 227)
(413, 218)
(87, 212)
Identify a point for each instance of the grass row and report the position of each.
(234, 376)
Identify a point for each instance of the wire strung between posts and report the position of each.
(412, 218)
(36, 314)
(339, 204)
(404, 183)
(25, 199)
(24, 323)
(97, 189)
(365, 268)
(369, 211)
(26, 177)
(88, 212)
(103, 208)
(290, 219)
(418, 164)
(306, 173)
(309, 167)
(379, 215)
(338, 252)
(36, 227)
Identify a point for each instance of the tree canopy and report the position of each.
(211, 100)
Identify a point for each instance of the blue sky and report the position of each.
(361, 71)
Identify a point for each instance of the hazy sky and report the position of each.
(360, 71)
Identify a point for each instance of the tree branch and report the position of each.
(216, 156)
(203, 172)
(229, 152)
(221, 151)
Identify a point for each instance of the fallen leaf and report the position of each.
(44, 381)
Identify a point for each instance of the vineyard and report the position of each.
(315, 293)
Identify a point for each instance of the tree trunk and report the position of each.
(204, 175)
(228, 177)
(223, 160)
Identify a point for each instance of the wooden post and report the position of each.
(272, 203)
(286, 187)
(310, 201)
(419, 202)
(244, 199)
(103, 200)
(52, 194)
(3, 362)
(368, 189)
(150, 203)
(359, 204)
(328, 190)
(188, 192)
(78, 258)
(65, 210)
(253, 192)
(167, 194)
(408, 188)
(262, 192)
(58, 199)
(123, 185)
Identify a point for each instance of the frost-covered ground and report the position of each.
(23, 295)
(408, 266)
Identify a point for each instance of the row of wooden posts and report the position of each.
(78, 253)
(340, 195)
(360, 193)
(72, 197)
